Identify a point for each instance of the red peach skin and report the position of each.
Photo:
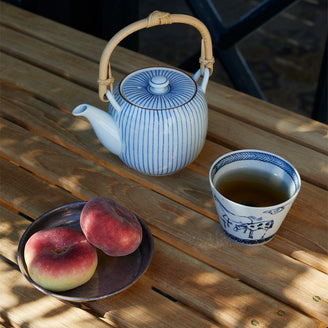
(111, 227)
(60, 259)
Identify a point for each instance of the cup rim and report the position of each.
(292, 197)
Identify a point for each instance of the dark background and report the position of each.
(285, 54)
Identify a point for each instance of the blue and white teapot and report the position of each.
(157, 119)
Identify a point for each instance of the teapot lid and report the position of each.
(158, 88)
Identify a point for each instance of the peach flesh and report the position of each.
(110, 227)
(60, 259)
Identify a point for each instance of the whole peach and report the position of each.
(111, 227)
(60, 258)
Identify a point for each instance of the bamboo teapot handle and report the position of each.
(156, 18)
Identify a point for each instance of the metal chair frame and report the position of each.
(226, 38)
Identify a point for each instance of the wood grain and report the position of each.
(25, 306)
(248, 109)
(220, 297)
(158, 308)
(186, 230)
(19, 189)
(66, 95)
(307, 217)
(48, 158)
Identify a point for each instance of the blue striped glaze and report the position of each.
(135, 88)
(161, 134)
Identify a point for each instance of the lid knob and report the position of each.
(159, 85)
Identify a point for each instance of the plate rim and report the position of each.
(23, 268)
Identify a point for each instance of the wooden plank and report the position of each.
(36, 47)
(19, 190)
(37, 81)
(77, 135)
(269, 117)
(14, 225)
(248, 109)
(234, 304)
(141, 306)
(187, 187)
(303, 244)
(237, 134)
(69, 39)
(260, 267)
(185, 279)
(48, 57)
(50, 31)
(220, 312)
(56, 126)
(310, 203)
(25, 306)
(307, 217)
(66, 95)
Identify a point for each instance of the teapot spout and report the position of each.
(103, 125)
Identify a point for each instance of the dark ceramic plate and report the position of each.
(113, 274)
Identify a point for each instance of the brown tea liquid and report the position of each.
(252, 188)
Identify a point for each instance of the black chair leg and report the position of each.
(225, 39)
(320, 110)
(236, 67)
(239, 72)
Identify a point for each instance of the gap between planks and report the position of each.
(79, 40)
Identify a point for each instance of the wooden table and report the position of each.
(198, 277)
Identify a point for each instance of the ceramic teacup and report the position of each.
(253, 191)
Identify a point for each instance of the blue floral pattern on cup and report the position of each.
(253, 225)
(247, 225)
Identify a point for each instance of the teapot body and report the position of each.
(158, 141)
(158, 116)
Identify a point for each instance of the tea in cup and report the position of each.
(253, 191)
